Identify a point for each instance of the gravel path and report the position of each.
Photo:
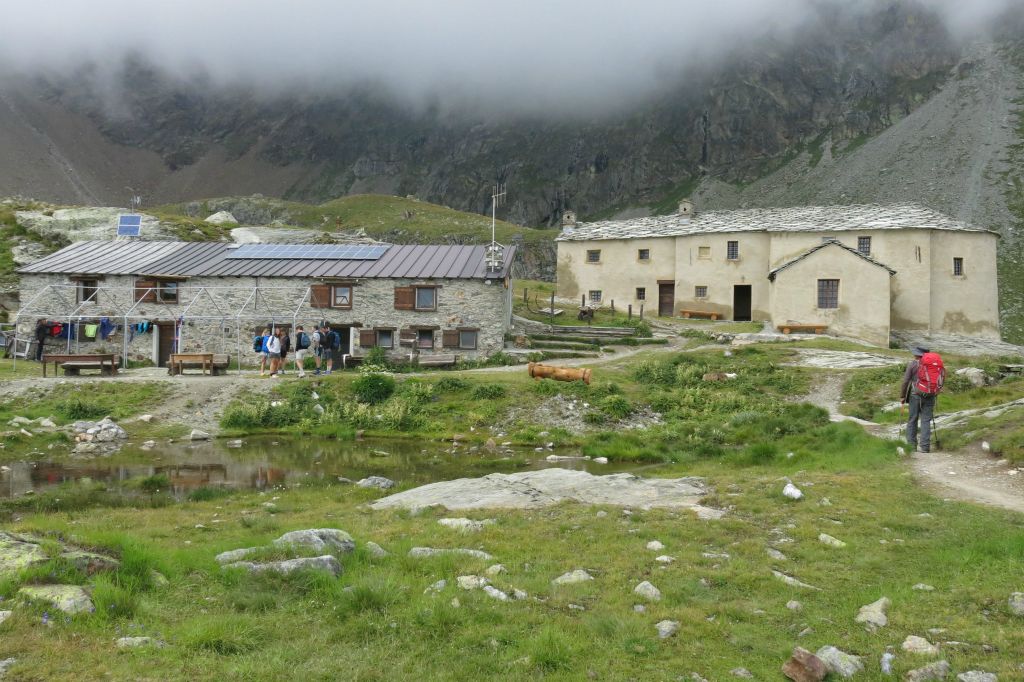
(973, 476)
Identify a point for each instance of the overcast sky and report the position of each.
(531, 50)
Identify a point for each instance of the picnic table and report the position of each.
(73, 364)
(209, 363)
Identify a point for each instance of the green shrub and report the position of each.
(75, 408)
(489, 392)
(417, 392)
(604, 388)
(206, 493)
(224, 635)
(373, 388)
(451, 384)
(376, 356)
(155, 483)
(112, 600)
(246, 416)
(617, 406)
(397, 414)
(643, 329)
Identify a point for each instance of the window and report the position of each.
(700, 291)
(643, 254)
(467, 339)
(704, 252)
(594, 256)
(385, 338)
(732, 250)
(88, 290)
(958, 267)
(342, 296)
(167, 292)
(425, 339)
(426, 298)
(864, 245)
(828, 293)
(641, 293)
(594, 295)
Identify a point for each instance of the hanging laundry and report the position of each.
(90, 331)
(56, 328)
(106, 328)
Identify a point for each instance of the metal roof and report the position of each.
(209, 259)
(795, 219)
(819, 247)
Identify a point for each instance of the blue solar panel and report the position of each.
(309, 251)
(129, 225)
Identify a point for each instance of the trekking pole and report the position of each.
(935, 435)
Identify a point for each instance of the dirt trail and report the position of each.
(972, 475)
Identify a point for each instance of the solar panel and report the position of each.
(129, 225)
(309, 251)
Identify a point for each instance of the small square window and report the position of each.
(594, 295)
(88, 290)
(732, 250)
(385, 338)
(343, 297)
(426, 298)
(828, 293)
(425, 338)
(704, 252)
(643, 254)
(700, 292)
(594, 256)
(958, 267)
(467, 339)
(641, 293)
(167, 292)
(864, 245)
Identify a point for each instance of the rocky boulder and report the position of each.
(1016, 603)
(803, 666)
(376, 482)
(221, 218)
(839, 662)
(67, 598)
(426, 552)
(932, 672)
(89, 223)
(873, 615)
(318, 540)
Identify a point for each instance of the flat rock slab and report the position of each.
(838, 359)
(424, 552)
(19, 551)
(532, 489)
(318, 540)
(67, 598)
(326, 563)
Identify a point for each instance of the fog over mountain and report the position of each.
(530, 56)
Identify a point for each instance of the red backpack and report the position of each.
(931, 374)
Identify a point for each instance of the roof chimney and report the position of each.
(568, 218)
(686, 209)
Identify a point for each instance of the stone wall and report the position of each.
(220, 315)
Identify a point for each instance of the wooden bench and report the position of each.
(73, 364)
(437, 360)
(807, 328)
(703, 314)
(210, 363)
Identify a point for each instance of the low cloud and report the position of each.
(531, 54)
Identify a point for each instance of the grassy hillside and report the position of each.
(388, 218)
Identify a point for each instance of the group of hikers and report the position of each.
(323, 344)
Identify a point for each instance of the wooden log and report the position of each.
(541, 371)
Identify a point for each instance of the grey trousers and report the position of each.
(921, 407)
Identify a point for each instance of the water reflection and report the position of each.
(267, 462)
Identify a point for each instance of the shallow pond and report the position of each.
(264, 462)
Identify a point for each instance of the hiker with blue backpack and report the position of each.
(259, 345)
(922, 383)
(302, 343)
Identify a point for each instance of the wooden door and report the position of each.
(165, 343)
(741, 299)
(666, 298)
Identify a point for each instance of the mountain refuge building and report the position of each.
(860, 271)
(147, 299)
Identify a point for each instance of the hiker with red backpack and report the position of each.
(922, 383)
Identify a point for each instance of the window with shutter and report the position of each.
(343, 296)
(425, 339)
(367, 338)
(145, 291)
(426, 298)
(407, 337)
(450, 338)
(467, 339)
(320, 296)
(405, 298)
(386, 338)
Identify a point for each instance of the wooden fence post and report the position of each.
(551, 310)
(583, 300)
(613, 306)
(630, 312)
(641, 311)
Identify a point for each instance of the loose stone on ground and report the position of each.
(929, 673)
(839, 662)
(803, 666)
(67, 598)
(666, 628)
(873, 615)
(572, 577)
(327, 563)
(424, 552)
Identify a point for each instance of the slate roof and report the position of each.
(831, 242)
(209, 259)
(796, 219)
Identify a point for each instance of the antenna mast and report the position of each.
(495, 251)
